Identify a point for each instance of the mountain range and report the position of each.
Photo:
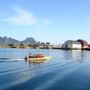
(8, 40)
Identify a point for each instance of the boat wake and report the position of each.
(11, 59)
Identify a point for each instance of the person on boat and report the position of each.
(30, 55)
(41, 55)
(36, 56)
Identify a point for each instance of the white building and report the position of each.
(72, 45)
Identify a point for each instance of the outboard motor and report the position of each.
(25, 59)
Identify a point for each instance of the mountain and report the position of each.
(6, 40)
(29, 40)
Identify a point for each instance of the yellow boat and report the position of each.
(42, 58)
(39, 59)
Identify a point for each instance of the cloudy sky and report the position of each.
(46, 20)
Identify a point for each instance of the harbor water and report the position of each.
(66, 70)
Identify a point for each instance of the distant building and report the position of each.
(57, 46)
(70, 44)
(83, 43)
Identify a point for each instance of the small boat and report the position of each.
(37, 58)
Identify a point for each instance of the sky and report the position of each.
(53, 21)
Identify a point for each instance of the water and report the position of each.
(67, 70)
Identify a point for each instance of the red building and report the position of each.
(83, 43)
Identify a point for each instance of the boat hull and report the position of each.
(43, 58)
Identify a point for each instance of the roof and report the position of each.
(83, 42)
(72, 42)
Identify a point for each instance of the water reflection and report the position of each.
(34, 67)
(38, 61)
(74, 55)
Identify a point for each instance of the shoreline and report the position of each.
(27, 47)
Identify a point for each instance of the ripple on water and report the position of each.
(43, 77)
(63, 73)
